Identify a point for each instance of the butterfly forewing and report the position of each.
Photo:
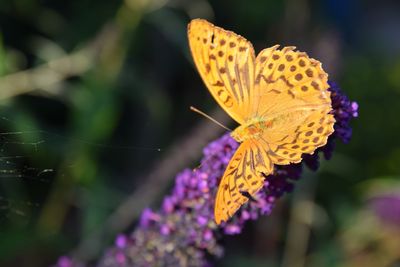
(287, 80)
(225, 61)
(242, 176)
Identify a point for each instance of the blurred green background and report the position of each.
(95, 121)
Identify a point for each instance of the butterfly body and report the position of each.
(251, 130)
(279, 98)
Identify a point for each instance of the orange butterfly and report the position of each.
(279, 98)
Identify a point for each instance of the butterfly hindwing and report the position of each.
(225, 61)
(286, 143)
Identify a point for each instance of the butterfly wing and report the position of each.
(299, 132)
(242, 177)
(288, 80)
(225, 62)
(292, 96)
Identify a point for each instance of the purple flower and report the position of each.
(64, 262)
(121, 241)
(148, 216)
(201, 220)
(387, 208)
(120, 258)
(343, 110)
(168, 205)
(232, 229)
(184, 229)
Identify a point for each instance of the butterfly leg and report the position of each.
(248, 196)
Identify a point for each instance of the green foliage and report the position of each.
(80, 136)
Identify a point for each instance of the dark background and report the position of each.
(95, 96)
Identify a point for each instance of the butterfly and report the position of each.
(279, 98)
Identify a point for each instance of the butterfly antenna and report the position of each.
(208, 117)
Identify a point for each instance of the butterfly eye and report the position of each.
(253, 130)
